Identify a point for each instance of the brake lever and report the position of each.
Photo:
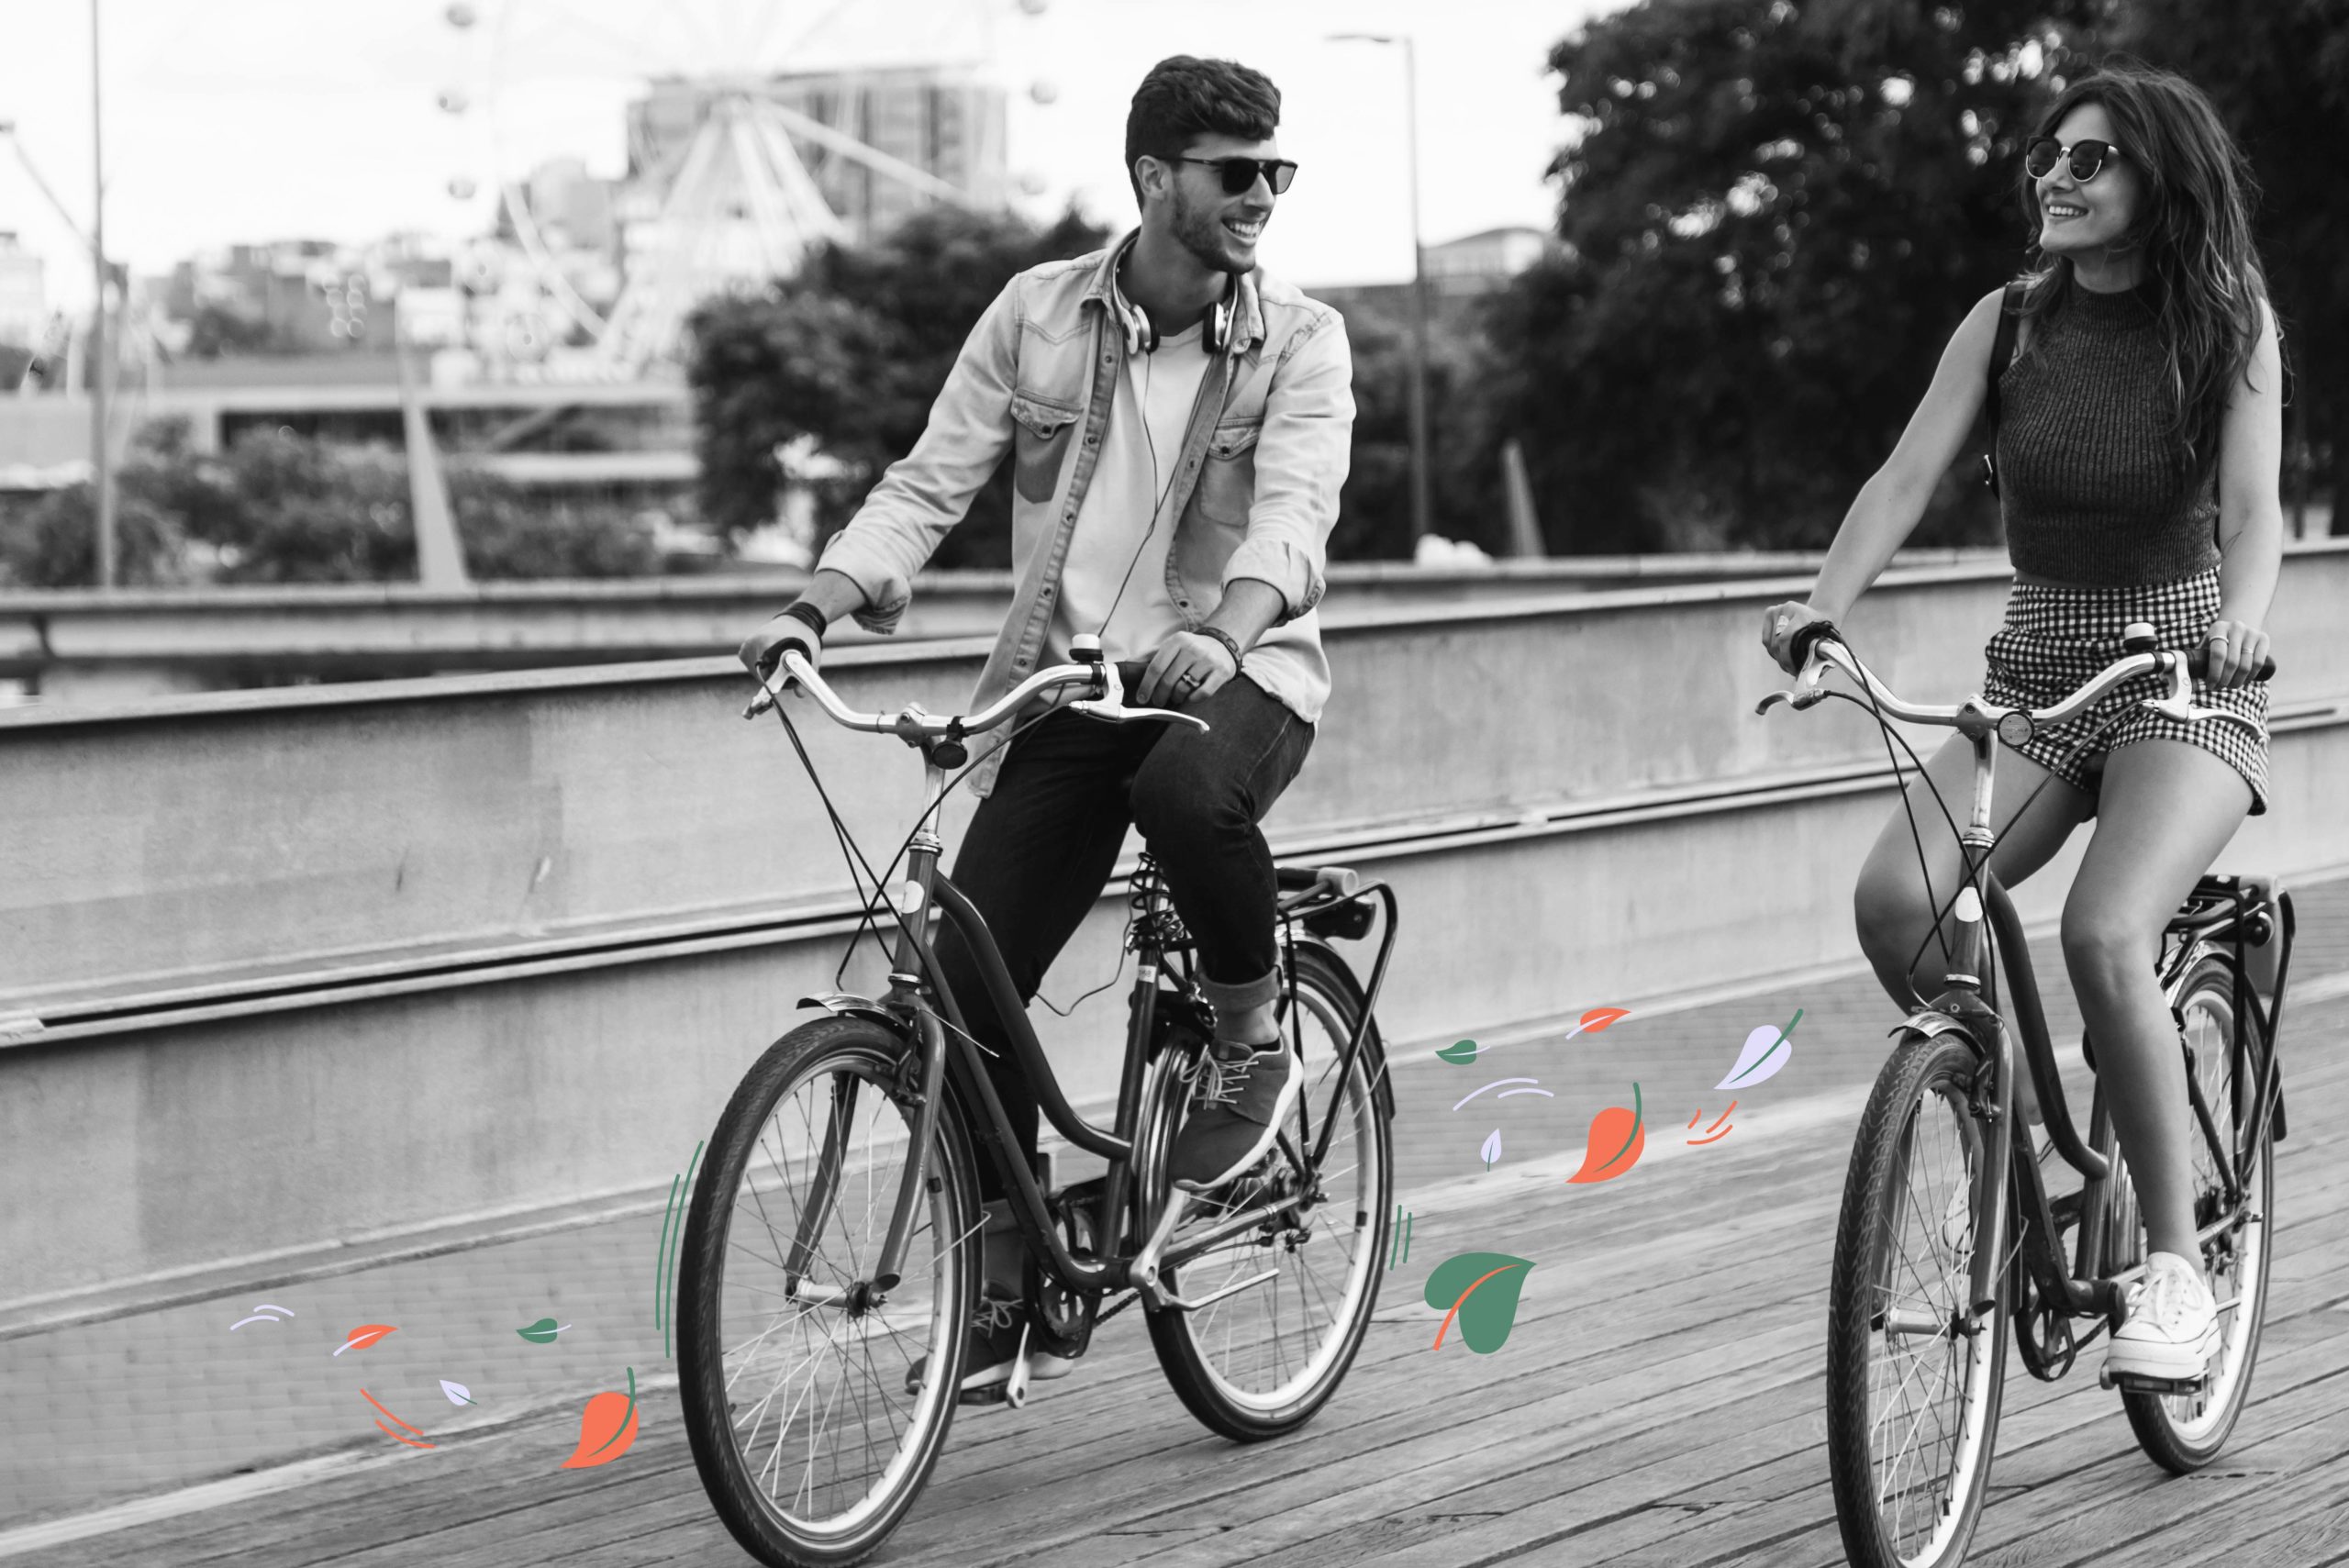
(1109, 714)
(1809, 691)
(2180, 705)
(1110, 706)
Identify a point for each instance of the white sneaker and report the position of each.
(2172, 1324)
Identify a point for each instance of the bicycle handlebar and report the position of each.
(1821, 648)
(1105, 701)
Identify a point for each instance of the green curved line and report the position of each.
(1784, 1035)
(1637, 1105)
(661, 1265)
(675, 1241)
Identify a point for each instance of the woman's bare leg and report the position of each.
(1894, 914)
(2168, 810)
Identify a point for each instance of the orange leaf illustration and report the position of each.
(1599, 1017)
(1617, 1137)
(365, 1335)
(607, 1428)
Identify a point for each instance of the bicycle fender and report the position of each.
(1929, 1022)
(848, 1005)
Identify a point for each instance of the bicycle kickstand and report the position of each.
(1145, 1270)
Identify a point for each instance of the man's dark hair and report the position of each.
(1185, 98)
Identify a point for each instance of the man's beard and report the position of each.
(1202, 235)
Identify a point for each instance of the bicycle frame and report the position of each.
(918, 991)
(1968, 1005)
(1986, 921)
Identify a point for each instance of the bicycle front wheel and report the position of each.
(815, 1401)
(2183, 1432)
(1913, 1386)
(1260, 1361)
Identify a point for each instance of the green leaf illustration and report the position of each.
(1480, 1290)
(1460, 1053)
(543, 1332)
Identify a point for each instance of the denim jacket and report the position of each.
(1255, 491)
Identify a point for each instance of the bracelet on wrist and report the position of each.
(1230, 645)
(806, 615)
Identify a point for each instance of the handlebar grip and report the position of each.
(2198, 665)
(1806, 637)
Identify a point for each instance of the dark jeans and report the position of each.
(1042, 846)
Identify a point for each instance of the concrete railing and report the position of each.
(83, 647)
(287, 970)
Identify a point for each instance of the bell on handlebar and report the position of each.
(2137, 637)
(1085, 647)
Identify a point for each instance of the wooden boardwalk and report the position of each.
(1659, 1402)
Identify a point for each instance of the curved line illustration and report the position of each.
(396, 1438)
(1494, 1085)
(1504, 1094)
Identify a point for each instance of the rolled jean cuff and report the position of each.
(1261, 992)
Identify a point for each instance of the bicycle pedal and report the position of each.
(2132, 1383)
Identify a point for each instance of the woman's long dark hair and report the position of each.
(2194, 227)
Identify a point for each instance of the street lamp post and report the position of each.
(101, 466)
(1421, 526)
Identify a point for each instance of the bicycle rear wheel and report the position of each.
(2183, 1432)
(1912, 1395)
(1259, 1362)
(816, 1403)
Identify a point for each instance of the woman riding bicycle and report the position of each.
(2138, 457)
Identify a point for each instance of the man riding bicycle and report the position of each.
(1178, 422)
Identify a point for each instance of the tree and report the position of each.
(1775, 214)
(277, 507)
(1463, 450)
(2279, 71)
(852, 351)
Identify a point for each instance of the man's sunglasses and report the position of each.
(2086, 157)
(1239, 174)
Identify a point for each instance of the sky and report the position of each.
(232, 120)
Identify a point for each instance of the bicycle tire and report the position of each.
(2184, 1432)
(1200, 1352)
(1870, 1321)
(737, 1267)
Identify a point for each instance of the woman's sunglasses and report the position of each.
(2086, 157)
(1239, 174)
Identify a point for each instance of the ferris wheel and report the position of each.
(644, 154)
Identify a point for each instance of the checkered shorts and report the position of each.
(2054, 639)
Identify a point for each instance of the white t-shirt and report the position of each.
(1140, 452)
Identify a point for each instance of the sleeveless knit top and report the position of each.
(2092, 489)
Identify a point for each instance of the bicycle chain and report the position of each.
(1115, 1307)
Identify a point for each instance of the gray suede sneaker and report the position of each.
(996, 1336)
(1242, 1097)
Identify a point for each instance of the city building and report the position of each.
(1459, 273)
(943, 121)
